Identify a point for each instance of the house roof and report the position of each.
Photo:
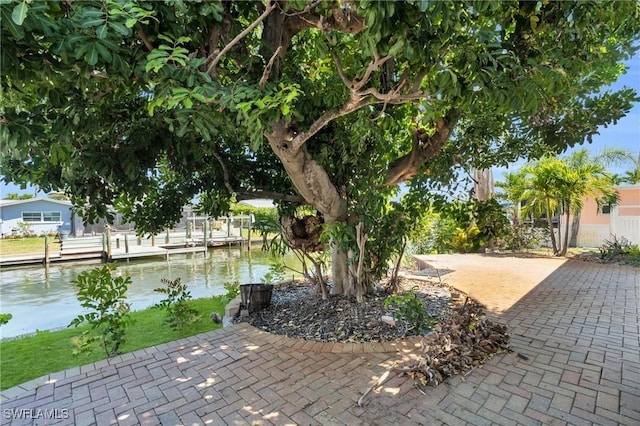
(4, 203)
(628, 186)
(260, 203)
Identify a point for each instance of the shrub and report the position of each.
(104, 295)
(463, 227)
(179, 314)
(525, 237)
(4, 318)
(464, 240)
(411, 311)
(620, 250)
(277, 272)
(24, 229)
(233, 290)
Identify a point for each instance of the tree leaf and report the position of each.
(7, 22)
(20, 12)
(119, 28)
(102, 31)
(92, 22)
(92, 55)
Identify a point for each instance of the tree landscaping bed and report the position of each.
(297, 310)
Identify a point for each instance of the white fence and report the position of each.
(620, 226)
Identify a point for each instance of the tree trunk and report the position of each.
(310, 178)
(575, 227)
(565, 245)
(315, 186)
(554, 245)
(483, 184)
(342, 283)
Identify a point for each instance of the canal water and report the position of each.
(42, 298)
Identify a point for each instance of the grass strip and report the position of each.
(29, 357)
(24, 246)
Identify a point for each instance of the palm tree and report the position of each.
(513, 187)
(581, 160)
(631, 176)
(58, 195)
(543, 191)
(556, 186)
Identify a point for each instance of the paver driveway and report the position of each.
(578, 328)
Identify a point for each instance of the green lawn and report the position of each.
(46, 352)
(21, 246)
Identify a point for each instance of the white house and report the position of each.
(40, 216)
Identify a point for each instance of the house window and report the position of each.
(606, 209)
(41, 217)
(31, 217)
(51, 217)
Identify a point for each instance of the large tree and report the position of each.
(332, 104)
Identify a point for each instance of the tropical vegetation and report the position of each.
(328, 106)
(554, 188)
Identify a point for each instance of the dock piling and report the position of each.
(46, 249)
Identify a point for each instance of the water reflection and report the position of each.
(42, 298)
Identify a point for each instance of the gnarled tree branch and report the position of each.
(424, 148)
(357, 84)
(236, 39)
(353, 104)
(225, 173)
(267, 69)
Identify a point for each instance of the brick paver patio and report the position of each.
(578, 329)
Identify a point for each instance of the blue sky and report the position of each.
(624, 135)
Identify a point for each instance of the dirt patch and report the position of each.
(498, 281)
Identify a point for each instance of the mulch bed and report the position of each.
(297, 310)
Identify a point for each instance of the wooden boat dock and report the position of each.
(118, 248)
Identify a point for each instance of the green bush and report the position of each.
(277, 272)
(233, 290)
(464, 240)
(411, 311)
(4, 318)
(179, 314)
(104, 295)
(524, 237)
(463, 226)
(620, 250)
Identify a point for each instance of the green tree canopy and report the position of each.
(333, 104)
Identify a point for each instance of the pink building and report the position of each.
(622, 220)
